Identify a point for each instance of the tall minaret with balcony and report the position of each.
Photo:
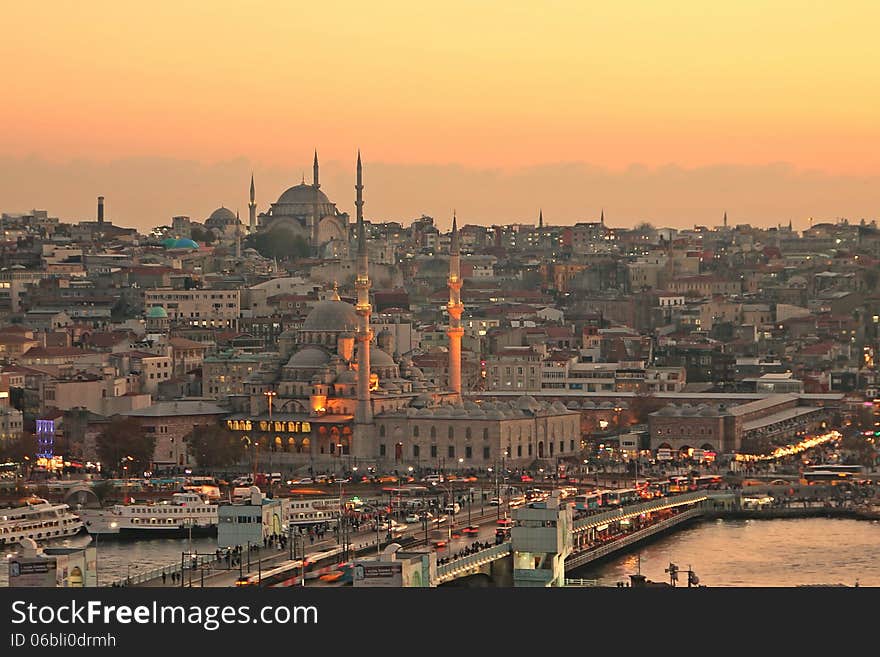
(454, 308)
(363, 411)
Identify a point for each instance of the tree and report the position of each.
(213, 446)
(123, 439)
(201, 235)
(642, 405)
(19, 449)
(280, 243)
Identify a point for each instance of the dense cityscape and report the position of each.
(315, 297)
(299, 375)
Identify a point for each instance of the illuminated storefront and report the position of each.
(308, 436)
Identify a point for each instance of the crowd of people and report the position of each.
(474, 547)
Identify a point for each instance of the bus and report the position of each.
(288, 573)
(712, 482)
(588, 501)
(621, 497)
(659, 488)
(826, 477)
(829, 467)
(679, 484)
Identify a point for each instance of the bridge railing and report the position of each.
(632, 510)
(451, 569)
(581, 582)
(141, 576)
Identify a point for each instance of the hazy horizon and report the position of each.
(566, 192)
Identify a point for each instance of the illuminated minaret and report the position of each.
(454, 308)
(252, 207)
(364, 410)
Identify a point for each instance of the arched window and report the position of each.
(381, 430)
(467, 433)
(434, 433)
(416, 431)
(451, 433)
(485, 434)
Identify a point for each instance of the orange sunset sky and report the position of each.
(671, 112)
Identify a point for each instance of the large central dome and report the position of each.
(331, 315)
(303, 194)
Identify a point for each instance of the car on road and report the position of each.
(495, 501)
(412, 517)
(502, 534)
(505, 522)
(471, 530)
(304, 480)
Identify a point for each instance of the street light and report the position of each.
(270, 395)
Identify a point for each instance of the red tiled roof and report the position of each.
(52, 352)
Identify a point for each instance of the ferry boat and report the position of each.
(185, 514)
(39, 520)
(310, 511)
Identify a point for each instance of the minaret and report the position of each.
(602, 218)
(454, 308)
(364, 410)
(252, 207)
(725, 218)
(359, 189)
(540, 219)
(237, 236)
(315, 182)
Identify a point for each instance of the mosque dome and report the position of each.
(348, 376)
(528, 403)
(331, 315)
(303, 194)
(157, 312)
(182, 243)
(309, 357)
(558, 407)
(380, 358)
(221, 217)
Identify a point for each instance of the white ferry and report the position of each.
(310, 512)
(183, 515)
(39, 520)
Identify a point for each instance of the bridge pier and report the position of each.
(501, 572)
(541, 539)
